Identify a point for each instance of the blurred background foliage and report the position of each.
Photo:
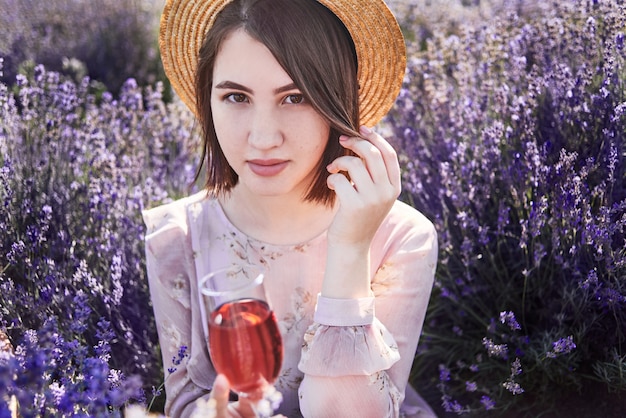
(107, 40)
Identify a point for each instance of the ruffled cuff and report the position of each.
(350, 342)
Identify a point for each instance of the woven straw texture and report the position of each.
(377, 37)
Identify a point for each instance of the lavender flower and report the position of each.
(508, 318)
(516, 367)
(178, 359)
(510, 384)
(495, 350)
(513, 387)
(487, 402)
(471, 386)
(562, 346)
(444, 373)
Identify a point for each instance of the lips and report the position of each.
(267, 168)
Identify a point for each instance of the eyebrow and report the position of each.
(236, 86)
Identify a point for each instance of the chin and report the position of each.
(262, 189)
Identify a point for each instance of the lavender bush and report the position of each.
(75, 172)
(513, 136)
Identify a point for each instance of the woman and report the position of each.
(295, 181)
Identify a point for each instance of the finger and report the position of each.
(220, 392)
(342, 186)
(367, 156)
(357, 170)
(380, 158)
(370, 177)
(388, 153)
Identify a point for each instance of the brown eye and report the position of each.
(294, 99)
(237, 98)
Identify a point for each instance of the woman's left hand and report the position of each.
(366, 197)
(367, 185)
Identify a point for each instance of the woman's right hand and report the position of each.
(224, 409)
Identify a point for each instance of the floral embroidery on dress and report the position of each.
(383, 382)
(195, 210)
(180, 290)
(248, 250)
(301, 248)
(171, 334)
(379, 379)
(289, 379)
(308, 337)
(303, 306)
(384, 279)
(391, 348)
(153, 225)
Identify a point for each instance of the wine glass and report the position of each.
(243, 337)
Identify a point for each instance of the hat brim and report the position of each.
(379, 43)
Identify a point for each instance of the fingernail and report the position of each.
(343, 138)
(365, 130)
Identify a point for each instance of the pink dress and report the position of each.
(357, 351)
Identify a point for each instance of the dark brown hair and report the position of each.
(315, 50)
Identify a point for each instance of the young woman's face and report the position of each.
(270, 135)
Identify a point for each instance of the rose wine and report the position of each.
(245, 343)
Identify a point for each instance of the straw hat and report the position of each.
(379, 43)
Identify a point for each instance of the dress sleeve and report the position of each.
(357, 355)
(170, 270)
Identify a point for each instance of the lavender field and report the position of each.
(511, 128)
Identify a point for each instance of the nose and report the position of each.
(265, 129)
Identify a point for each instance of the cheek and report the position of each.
(319, 147)
(226, 129)
(323, 138)
(228, 146)
(219, 121)
(316, 132)
(225, 137)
